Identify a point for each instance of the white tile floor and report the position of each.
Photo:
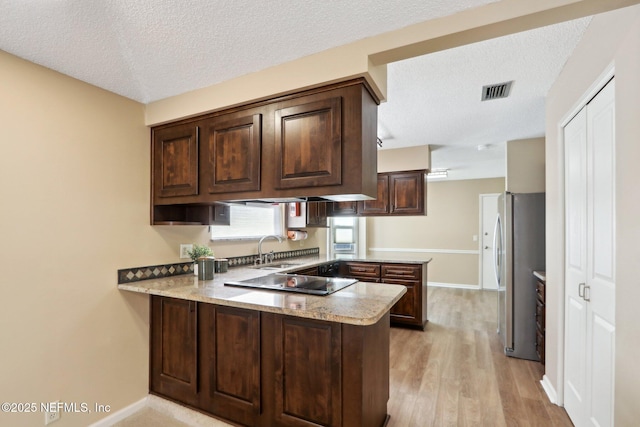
(162, 413)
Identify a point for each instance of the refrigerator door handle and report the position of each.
(497, 247)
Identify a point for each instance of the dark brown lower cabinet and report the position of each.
(230, 363)
(264, 369)
(174, 349)
(307, 366)
(411, 309)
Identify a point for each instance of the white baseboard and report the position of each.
(121, 414)
(549, 389)
(453, 285)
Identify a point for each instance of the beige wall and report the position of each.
(525, 166)
(399, 159)
(75, 208)
(613, 38)
(451, 222)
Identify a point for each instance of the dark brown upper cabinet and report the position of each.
(320, 143)
(342, 209)
(175, 162)
(399, 193)
(380, 206)
(308, 138)
(407, 193)
(233, 149)
(316, 214)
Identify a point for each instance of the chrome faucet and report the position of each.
(261, 259)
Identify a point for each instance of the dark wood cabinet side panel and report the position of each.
(175, 161)
(174, 349)
(233, 147)
(308, 142)
(365, 372)
(304, 396)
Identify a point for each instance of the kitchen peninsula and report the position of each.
(264, 358)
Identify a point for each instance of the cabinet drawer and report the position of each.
(401, 271)
(361, 270)
(540, 291)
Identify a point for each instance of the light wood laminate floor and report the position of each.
(456, 374)
(452, 374)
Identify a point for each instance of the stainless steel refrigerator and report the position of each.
(519, 250)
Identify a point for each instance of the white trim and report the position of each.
(121, 414)
(427, 251)
(453, 285)
(549, 390)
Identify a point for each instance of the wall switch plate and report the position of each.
(184, 250)
(52, 415)
(475, 237)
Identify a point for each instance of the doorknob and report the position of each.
(581, 287)
(486, 247)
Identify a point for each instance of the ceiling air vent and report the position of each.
(500, 90)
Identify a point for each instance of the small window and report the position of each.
(250, 222)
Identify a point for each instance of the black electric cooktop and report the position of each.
(295, 283)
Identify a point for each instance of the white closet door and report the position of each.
(575, 139)
(590, 262)
(601, 231)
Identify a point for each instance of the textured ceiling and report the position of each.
(435, 99)
(152, 49)
(147, 50)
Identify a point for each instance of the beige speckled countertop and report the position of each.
(359, 304)
(542, 275)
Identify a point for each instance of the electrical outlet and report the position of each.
(52, 415)
(184, 250)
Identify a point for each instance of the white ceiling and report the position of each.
(152, 49)
(435, 99)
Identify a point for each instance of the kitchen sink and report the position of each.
(276, 266)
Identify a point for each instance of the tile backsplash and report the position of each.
(136, 274)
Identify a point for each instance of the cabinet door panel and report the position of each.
(234, 363)
(309, 144)
(380, 206)
(407, 193)
(407, 307)
(175, 161)
(174, 349)
(308, 397)
(233, 152)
